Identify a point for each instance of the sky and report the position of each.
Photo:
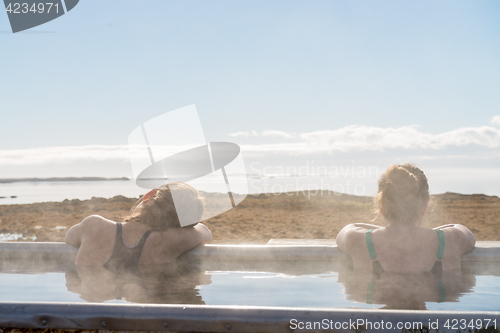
(340, 84)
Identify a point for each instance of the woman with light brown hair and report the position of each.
(403, 245)
(152, 234)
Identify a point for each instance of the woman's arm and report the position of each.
(342, 238)
(366, 226)
(445, 226)
(468, 238)
(75, 234)
(348, 238)
(187, 238)
(461, 234)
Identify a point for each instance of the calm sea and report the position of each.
(31, 192)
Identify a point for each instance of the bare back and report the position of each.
(95, 236)
(403, 249)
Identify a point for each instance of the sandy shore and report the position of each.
(259, 217)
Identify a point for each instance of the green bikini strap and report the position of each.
(442, 291)
(370, 292)
(369, 244)
(441, 244)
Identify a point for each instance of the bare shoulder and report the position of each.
(90, 224)
(459, 236)
(350, 238)
(94, 224)
(94, 220)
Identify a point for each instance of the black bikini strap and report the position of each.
(119, 231)
(142, 242)
(144, 238)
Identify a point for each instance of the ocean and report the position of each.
(27, 192)
(44, 191)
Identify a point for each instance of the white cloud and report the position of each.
(63, 155)
(353, 138)
(292, 148)
(485, 136)
(495, 120)
(72, 154)
(245, 134)
(279, 134)
(271, 133)
(360, 138)
(366, 138)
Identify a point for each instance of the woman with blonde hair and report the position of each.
(150, 235)
(403, 245)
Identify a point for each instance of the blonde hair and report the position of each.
(403, 193)
(159, 211)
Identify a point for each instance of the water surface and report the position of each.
(330, 289)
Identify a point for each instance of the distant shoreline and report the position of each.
(259, 217)
(60, 179)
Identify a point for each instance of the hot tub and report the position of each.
(287, 285)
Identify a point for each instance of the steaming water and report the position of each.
(14, 237)
(229, 288)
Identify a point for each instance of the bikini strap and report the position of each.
(377, 269)
(118, 238)
(439, 255)
(438, 266)
(119, 231)
(371, 291)
(442, 291)
(143, 240)
(369, 244)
